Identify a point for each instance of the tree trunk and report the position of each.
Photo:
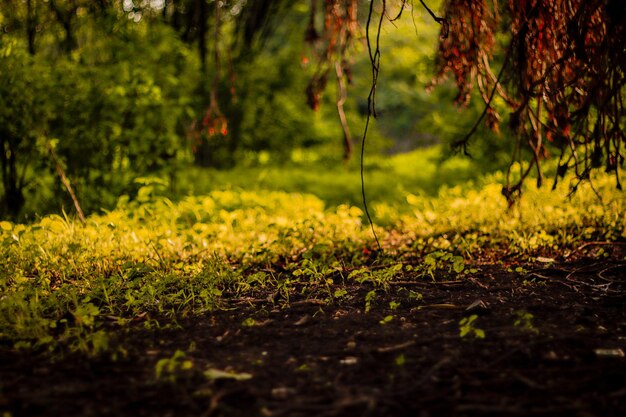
(13, 193)
(65, 18)
(31, 26)
(202, 31)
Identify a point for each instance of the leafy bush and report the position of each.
(110, 117)
(24, 110)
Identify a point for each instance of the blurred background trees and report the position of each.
(128, 89)
(125, 90)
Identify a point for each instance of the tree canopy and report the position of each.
(562, 70)
(563, 77)
(562, 73)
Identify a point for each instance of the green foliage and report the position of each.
(249, 322)
(388, 179)
(369, 299)
(64, 286)
(119, 103)
(441, 261)
(24, 108)
(117, 113)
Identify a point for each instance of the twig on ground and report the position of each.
(395, 348)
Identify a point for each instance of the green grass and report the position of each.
(67, 287)
(388, 179)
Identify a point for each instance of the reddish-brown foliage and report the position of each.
(563, 76)
(330, 45)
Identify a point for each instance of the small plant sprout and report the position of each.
(369, 298)
(340, 293)
(166, 368)
(467, 327)
(442, 261)
(415, 296)
(400, 360)
(249, 322)
(524, 320)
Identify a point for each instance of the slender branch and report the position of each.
(341, 98)
(399, 15)
(462, 143)
(371, 106)
(442, 21)
(66, 183)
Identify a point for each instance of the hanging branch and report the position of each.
(31, 25)
(566, 77)
(341, 99)
(442, 21)
(371, 101)
(399, 15)
(464, 142)
(216, 40)
(374, 54)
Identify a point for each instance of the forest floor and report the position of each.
(553, 345)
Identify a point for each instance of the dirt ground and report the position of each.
(315, 358)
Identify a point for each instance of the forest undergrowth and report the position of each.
(68, 287)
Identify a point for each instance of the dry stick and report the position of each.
(601, 273)
(586, 284)
(394, 348)
(598, 244)
(66, 183)
(432, 371)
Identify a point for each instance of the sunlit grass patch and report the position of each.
(68, 286)
(469, 221)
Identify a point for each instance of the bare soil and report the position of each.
(312, 357)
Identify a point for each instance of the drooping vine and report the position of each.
(563, 79)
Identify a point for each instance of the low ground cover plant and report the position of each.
(64, 286)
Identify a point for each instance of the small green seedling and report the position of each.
(166, 368)
(249, 322)
(369, 298)
(442, 261)
(467, 328)
(400, 360)
(524, 320)
(340, 293)
(415, 296)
